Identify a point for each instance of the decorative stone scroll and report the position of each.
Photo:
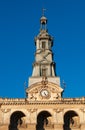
(32, 110)
(83, 110)
(32, 96)
(58, 110)
(44, 82)
(5, 110)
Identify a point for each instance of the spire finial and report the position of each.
(43, 20)
(43, 11)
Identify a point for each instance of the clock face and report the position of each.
(44, 93)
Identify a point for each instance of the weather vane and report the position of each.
(43, 11)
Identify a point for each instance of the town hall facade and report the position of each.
(44, 107)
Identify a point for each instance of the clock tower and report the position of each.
(44, 84)
(43, 65)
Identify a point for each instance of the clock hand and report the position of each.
(45, 93)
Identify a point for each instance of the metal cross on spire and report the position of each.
(43, 11)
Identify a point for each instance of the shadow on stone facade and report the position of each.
(71, 120)
(16, 120)
(42, 120)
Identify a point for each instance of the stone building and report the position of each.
(44, 108)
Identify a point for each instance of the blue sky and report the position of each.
(19, 24)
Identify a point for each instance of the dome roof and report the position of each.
(43, 20)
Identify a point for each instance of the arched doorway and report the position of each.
(42, 120)
(71, 120)
(16, 120)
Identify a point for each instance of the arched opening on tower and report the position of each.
(71, 120)
(16, 120)
(43, 120)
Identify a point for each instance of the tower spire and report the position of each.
(44, 65)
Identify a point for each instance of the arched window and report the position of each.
(43, 120)
(71, 120)
(16, 120)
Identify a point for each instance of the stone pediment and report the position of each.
(54, 87)
(44, 90)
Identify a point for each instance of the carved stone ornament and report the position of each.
(32, 96)
(58, 110)
(5, 110)
(35, 90)
(58, 95)
(53, 90)
(44, 81)
(32, 110)
(83, 110)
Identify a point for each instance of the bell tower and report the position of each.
(43, 66)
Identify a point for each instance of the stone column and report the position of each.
(58, 126)
(31, 126)
(82, 127)
(4, 127)
(83, 119)
(58, 119)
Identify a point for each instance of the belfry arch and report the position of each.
(71, 120)
(16, 120)
(43, 120)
